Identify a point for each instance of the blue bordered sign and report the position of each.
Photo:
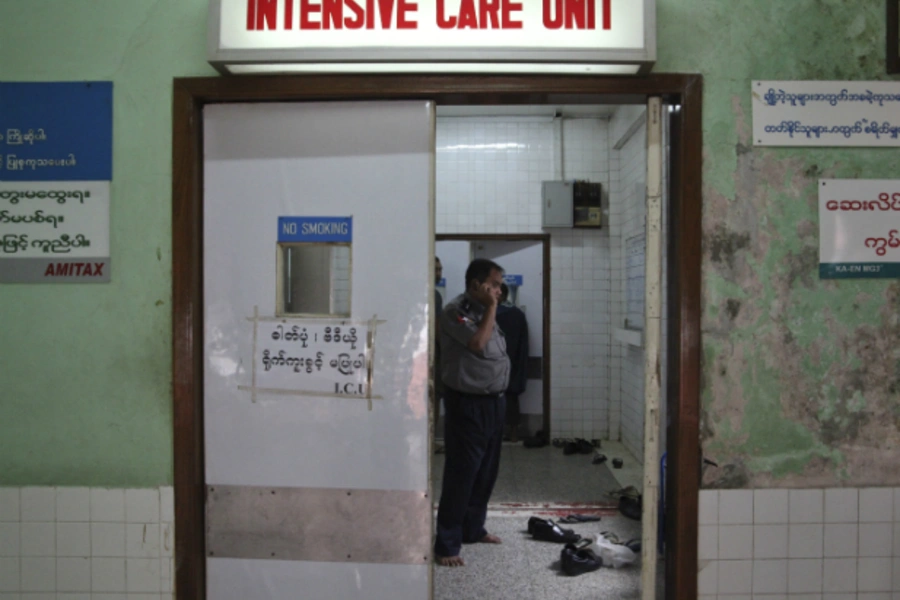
(315, 229)
(56, 131)
(515, 280)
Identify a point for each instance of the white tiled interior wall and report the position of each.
(829, 544)
(629, 184)
(488, 180)
(67, 543)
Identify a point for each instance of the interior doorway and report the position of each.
(494, 164)
(191, 95)
(526, 259)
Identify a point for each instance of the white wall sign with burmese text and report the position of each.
(826, 113)
(859, 232)
(311, 357)
(54, 231)
(467, 35)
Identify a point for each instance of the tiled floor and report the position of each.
(546, 475)
(546, 482)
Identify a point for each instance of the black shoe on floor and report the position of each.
(575, 561)
(583, 446)
(546, 530)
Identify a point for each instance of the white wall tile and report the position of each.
(38, 539)
(107, 505)
(806, 541)
(896, 503)
(73, 574)
(841, 540)
(708, 542)
(142, 505)
(841, 505)
(10, 534)
(770, 506)
(142, 540)
(805, 575)
(735, 507)
(839, 575)
(896, 575)
(38, 574)
(769, 577)
(708, 507)
(142, 575)
(770, 541)
(735, 576)
(167, 540)
(876, 505)
(874, 575)
(166, 504)
(735, 542)
(108, 539)
(875, 539)
(806, 506)
(38, 504)
(73, 504)
(73, 539)
(707, 578)
(10, 569)
(108, 575)
(875, 596)
(9, 505)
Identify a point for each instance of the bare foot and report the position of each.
(490, 538)
(450, 561)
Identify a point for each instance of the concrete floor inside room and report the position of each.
(547, 483)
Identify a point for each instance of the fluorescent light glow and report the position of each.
(500, 146)
(567, 69)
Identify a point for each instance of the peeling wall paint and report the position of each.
(800, 376)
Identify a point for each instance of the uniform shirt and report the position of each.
(485, 372)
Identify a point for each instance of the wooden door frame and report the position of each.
(544, 238)
(190, 95)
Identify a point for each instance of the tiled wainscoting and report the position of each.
(66, 543)
(828, 544)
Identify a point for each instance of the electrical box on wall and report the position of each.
(571, 204)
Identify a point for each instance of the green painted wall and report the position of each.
(800, 377)
(86, 369)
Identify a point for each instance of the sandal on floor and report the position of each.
(579, 519)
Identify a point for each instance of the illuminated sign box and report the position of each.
(431, 36)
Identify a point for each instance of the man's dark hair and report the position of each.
(480, 269)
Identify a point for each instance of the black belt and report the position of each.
(485, 396)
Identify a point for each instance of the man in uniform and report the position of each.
(475, 372)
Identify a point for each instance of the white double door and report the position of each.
(317, 491)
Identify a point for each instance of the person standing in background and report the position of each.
(475, 372)
(512, 322)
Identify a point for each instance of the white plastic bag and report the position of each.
(615, 555)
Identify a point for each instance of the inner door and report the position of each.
(524, 265)
(317, 333)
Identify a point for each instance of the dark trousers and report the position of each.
(473, 435)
